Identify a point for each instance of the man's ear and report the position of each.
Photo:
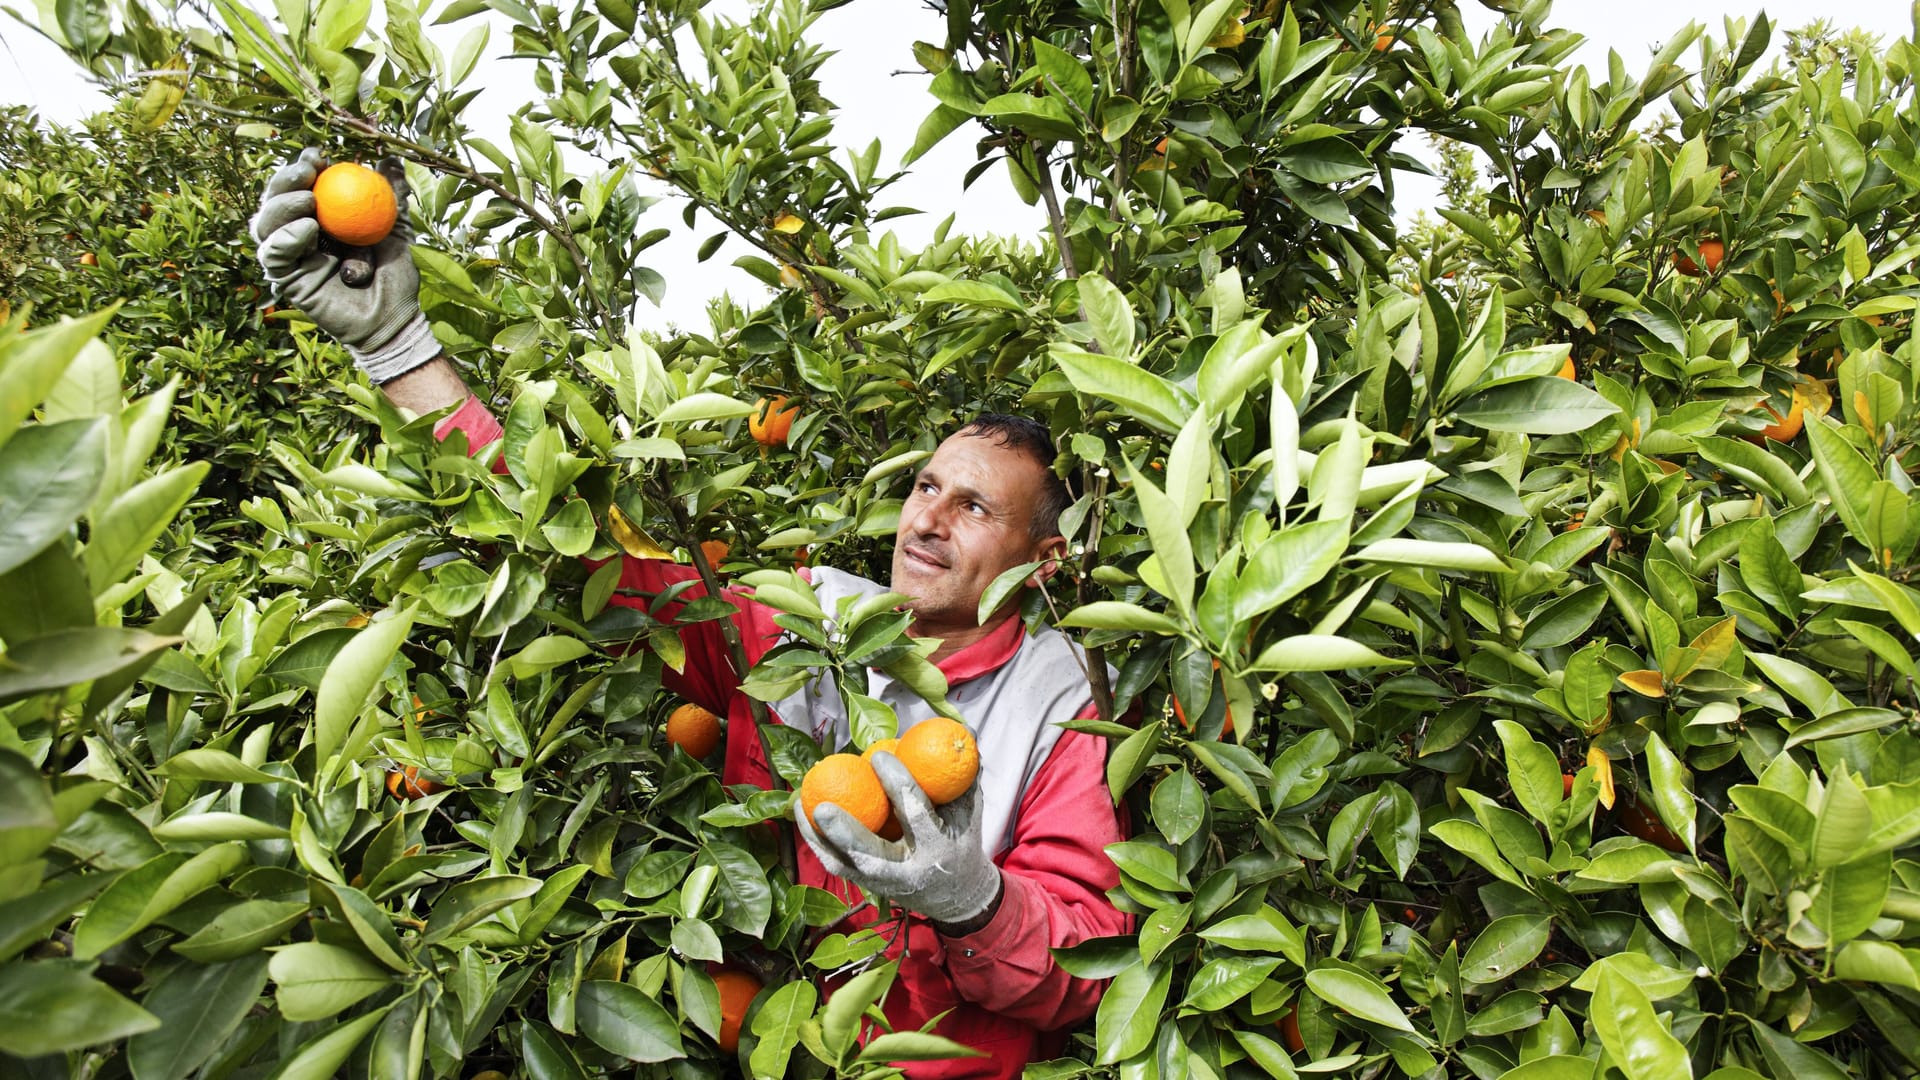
(1053, 550)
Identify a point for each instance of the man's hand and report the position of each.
(936, 868)
(377, 319)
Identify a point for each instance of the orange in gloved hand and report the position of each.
(355, 204)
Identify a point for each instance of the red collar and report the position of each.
(985, 655)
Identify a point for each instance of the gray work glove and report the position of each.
(936, 868)
(367, 298)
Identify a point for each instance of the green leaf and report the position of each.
(352, 678)
(1140, 393)
(322, 1058)
(1508, 944)
(915, 1046)
(703, 406)
(73, 657)
(27, 920)
(1172, 550)
(1129, 1012)
(546, 653)
(1266, 930)
(1446, 555)
(623, 1020)
(1116, 615)
(48, 476)
(1292, 560)
(122, 534)
(32, 363)
(28, 821)
(1106, 309)
(1320, 652)
(470, 901)
(1361, 995)
(1532, 771)
(198, 1007)
(1845, 474)
(218, 765)
(55, 1006)
(316, 981)
(1672, 789)
(150, 891)
(246, 927)
(776, 1027)
(1633, 1034)
(1542, 406)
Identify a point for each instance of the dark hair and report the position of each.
(1031, 438)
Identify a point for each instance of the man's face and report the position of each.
(967, 521)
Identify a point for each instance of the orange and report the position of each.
(1783, 429)
(1289, 1025)
(1569, 372)
(1712, 252)
(848, 782)
(737, 991)
(942, 756)
(693, 729)
(406, 784)
(1383, 42)
(355, 205)
(715, 551)
(771, 422)
(891, 830)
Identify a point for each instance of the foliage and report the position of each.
(1573, 722)
(153, 219)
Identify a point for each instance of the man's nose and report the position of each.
(928, 519)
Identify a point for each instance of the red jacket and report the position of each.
(1006, 994)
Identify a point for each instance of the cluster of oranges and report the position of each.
(939, 753)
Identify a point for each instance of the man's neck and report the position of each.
(954, 638)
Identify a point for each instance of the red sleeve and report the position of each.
(1055, 880)
(708, 678)
(479, 426)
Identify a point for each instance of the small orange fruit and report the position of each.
(89, 259)
(1569, 372)
(693, 729)
(1784, 428)
(772, 421)
(715, 551)
(942, 756)
(1383, 42)
(891, 830)
(406, 784)
(1712, 253)
(1289, 1025)
(355, 204)
(848, 782)
(737, 991)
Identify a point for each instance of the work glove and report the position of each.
(367, 298)
(936, 868)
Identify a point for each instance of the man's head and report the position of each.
(986, 501)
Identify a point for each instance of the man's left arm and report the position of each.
(1053, 894)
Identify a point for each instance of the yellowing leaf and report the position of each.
(788, 223)
(1602, 774)
(631, 539)
(1230, 35)
(1863, 408)
(1646, 683)
(1626, 442)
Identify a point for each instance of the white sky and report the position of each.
(882, 94)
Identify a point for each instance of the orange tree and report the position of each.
(1572, 729)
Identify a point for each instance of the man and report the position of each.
(995, 879)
